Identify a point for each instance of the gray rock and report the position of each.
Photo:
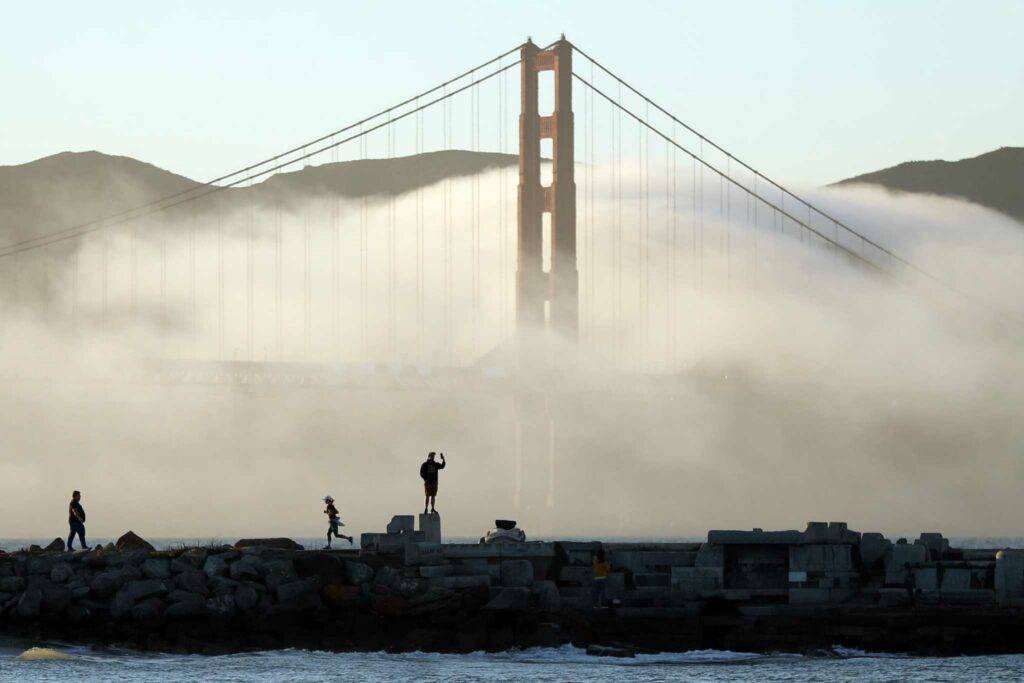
(248, 567)
(149, 611)
(77, 614)
(179, 595)
(279, 543)
(221, 607)
(195, 557)
(216, 565)
(95, 558)
(12, 584)
(408, 587)
(221, 585)
(56, 546)
(510, 600)
(61, 572)
(400, 523)
(186, 609)
(516, 573)
(79, 593)
(146, 588)
(386, 577)
(278, 572)
(106, 583)
(121, 605)
(358, 572)
(132, 541)
(39, 566)
(293, 589)
(56, 598)
(246, 597)
(156, 568)
(193, 581)
(30, 604)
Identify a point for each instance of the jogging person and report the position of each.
(76, 520)
(334, 522)
(428, 472)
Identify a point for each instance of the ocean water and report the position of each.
(56, 662)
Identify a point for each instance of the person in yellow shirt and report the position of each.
(601, 570)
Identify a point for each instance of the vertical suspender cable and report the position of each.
(220, 284)
(278, 281)
(363, 263)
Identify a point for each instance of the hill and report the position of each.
(66, 189)
(994, 180)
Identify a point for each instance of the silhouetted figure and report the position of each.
(334, 522)
(428, 471)
(601, 570)
(76, 520)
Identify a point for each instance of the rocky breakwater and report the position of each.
(225, 599)
(405, 590)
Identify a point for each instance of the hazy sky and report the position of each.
(808, 91)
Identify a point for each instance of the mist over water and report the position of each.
(731, 376)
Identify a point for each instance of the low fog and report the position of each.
(731, 375)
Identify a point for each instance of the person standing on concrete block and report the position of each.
(76, 520)
(428, 472)
(334, 522)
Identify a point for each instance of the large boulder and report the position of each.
(132, 541)
(358, 573)
(293, 589)
(149, 612)
(186, 609)
(277, 572)
(105, 584)
(326, 567)
(193, 581)
(56, 546)
(281, 543)
(146, 588)
(194, 558)
(248, 568)
(246, 597)
(221, 607)
(30, 603)
(156, 568)
(12, 584)
(56, 598)
(61, 572)
(216, 565)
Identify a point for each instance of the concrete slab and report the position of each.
(754, 537)
(430, 525)
(696, 581)
(400, 523)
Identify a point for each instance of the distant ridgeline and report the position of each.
(405, 590)
(994, 180)
(69, 188)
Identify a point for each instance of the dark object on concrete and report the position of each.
(506, 524)
(132, 541)
(282, 543)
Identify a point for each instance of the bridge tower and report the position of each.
(547, 299)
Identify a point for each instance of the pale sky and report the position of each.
(810, 92)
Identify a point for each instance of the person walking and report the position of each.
(428, 472)
(334, 522)
(76, 520)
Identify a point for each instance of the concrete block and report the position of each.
(530, 549)
(547, 594)
(899, 559)
(797, 577)
(893, 597)
(873, 547)
(710, 555)
(816, 532)
(956, 579)
(478, 580)
(430, 525)
(616, 585)
(516, 573)
(437, 571)
(696, 581)
(804, 596)
(652, 579)
(820, 558)
(754, 537)
(926, 579)
(937, 545)
(400, 523)
(576, 575)
(422, 553)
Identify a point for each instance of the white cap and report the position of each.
(328, 499)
